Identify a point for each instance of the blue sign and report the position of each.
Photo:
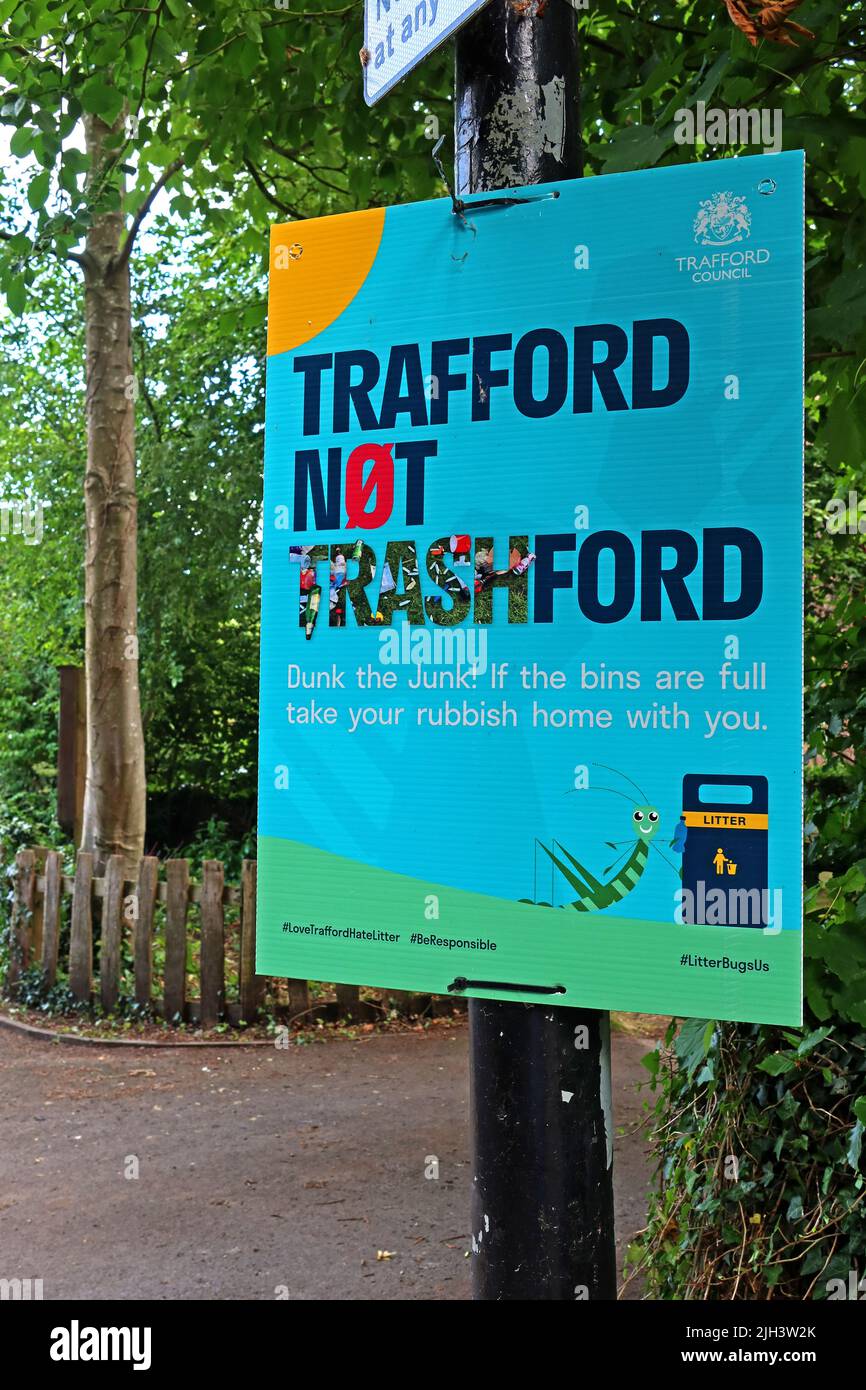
(531, 690)
(399, 33)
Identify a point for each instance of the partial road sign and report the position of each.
(399, 33)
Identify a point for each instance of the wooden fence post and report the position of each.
(37, 917)
(176, 906)
(81, 930)
(251, 984)
(349, 1002)
(299, 997)
(142, 930)
(402, 1000)
(39, 887)
(112, 931)
(212, 960)
(22, 913)
(51, 914)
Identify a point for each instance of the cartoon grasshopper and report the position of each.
(595, 895)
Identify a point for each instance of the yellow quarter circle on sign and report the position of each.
(316, 269)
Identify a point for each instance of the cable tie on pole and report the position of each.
(461, 983)
(459, 207)
(457, 204)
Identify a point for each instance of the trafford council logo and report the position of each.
(722, 219)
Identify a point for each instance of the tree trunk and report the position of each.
(114, 798)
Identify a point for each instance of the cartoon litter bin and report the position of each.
(727, 823)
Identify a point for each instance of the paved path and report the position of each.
(257, 1168)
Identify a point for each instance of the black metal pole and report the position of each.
(542, 1194)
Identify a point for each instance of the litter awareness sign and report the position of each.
(398, 34)
(531, 717)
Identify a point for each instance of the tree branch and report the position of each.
(118, 261)
(605, 47)
(310, 169)
(142, 376)
(80, 257)
(146, 69)
(657, 24)
(265, 192)
(823, 209)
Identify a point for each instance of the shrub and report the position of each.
(788, 1105)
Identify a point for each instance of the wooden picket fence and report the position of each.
(118, 914)
(126, 911)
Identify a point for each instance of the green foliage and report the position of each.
(198, 354)
(32, 991)
(216, 841)
(835, 713)
(762, 1177)
(199, 351)
(28, 755)
(232, 116)
(645, 65)
(205, 99)
(788, 1104)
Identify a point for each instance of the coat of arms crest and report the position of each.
(721, 219)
